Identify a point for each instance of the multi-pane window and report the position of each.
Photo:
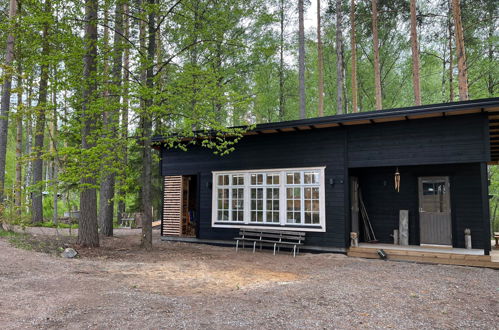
(291, 197)
(293, 205)
(256, 192)
(237, 202)
(223, 197)
(272, 198)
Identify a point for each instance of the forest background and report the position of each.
(86, 84)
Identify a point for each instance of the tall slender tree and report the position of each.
(339, 59)
(146, 130)
(281, 61)
(87, 230)
(5, 99)
(377, 72)
(19, 140)
(320, 63)
(124, 113)
(41, 107)
(301, 58)
(451, 55)
(460, 51)
(353, 46)
(111, 123)
(415, 55)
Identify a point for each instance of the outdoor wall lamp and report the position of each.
(333, 181)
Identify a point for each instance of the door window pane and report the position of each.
(434, 196)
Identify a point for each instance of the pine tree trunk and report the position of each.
(106, 214)
(281, 63)
(339, 60)
(146, 124)
(29, 136)
(53, 146)
(491, 49)
(355, 97)
(460, 52)
(5, 99)
(377, 73)
(124, 114)
(301, 59)
(320, 62)
(37, 199)
(415, 55)
(451, 57)
(88, 235)
(19, 143)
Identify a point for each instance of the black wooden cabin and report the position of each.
(302, 175)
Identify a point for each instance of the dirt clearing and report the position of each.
(180, 285)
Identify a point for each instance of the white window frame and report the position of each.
(282, 225)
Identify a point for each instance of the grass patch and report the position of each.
(50, 245)
(50, 224)
(4, 233)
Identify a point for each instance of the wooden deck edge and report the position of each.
(425, 257)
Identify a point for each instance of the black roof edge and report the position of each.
(371, 115)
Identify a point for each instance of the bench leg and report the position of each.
(274, 247)
(237, 245)
(254, 246)
(294, 251)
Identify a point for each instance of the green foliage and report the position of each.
(217, 65)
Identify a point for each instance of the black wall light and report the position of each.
(333, 181)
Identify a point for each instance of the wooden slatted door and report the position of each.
(172, 206)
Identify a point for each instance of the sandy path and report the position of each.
(197, 286)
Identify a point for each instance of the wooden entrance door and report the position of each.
(435, 224)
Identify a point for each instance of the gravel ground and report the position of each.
(180, 285)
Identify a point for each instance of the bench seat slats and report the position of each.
(271, 237)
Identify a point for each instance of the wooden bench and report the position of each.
(275, 238)
(496, 237)
(127, 220)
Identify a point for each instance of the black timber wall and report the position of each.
(313, 148)
(447, 140)
(442, 140)
(383, 202)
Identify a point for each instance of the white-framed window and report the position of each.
(284, 198)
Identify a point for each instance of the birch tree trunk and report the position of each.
(5, 99)
(37, 198)
(88, 235)
(415, 55)
(460, 52)
(377, 73)
(320, 62)
(301, 59)
(353, 42)
(339, 60)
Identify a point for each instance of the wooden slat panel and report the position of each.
(172, 202)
